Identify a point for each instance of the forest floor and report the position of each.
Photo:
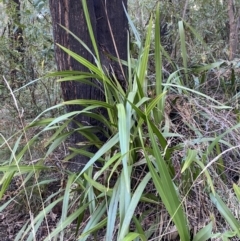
(26, 202)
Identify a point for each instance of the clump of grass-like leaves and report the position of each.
(140, 130)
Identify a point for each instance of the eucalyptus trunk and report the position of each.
(109, 24)
(234, 19)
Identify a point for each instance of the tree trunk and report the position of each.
(112, 26)
(234, 26)
(69, 13)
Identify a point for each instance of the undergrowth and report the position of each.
(168, 169)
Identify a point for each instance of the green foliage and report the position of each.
(140, 135)
(166, 189)
(23, 64)
(227, 214)
(204, 234)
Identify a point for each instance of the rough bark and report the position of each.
(111, 25)
(234, 25)
(69, 13)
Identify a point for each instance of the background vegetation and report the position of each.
(169, 169)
